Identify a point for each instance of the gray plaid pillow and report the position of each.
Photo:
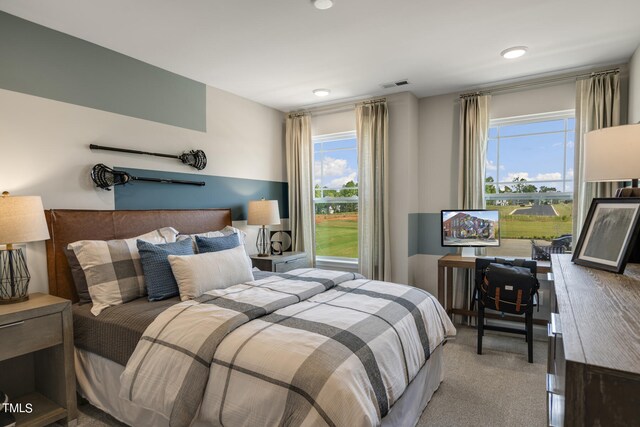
(113, 269)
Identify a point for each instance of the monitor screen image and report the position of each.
(475, 228)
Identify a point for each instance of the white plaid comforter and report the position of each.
(311, 347)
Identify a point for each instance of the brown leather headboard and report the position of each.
(68, 225)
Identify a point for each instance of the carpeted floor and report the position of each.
(498, 388)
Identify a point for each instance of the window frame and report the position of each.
(342, 263)
(522, 120)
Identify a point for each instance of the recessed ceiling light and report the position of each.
(323, 4)
(321, 92)
(514, 52)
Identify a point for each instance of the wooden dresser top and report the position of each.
(599, 314)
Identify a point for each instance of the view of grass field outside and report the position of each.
(529, 179)
(335, 171)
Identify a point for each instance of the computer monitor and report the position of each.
(471, 228)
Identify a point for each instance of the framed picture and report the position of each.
(609, 234)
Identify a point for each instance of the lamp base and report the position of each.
(14, 276)
(14, 300)
(262, 244)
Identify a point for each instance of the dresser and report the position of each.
(281, 263)
(593, 367)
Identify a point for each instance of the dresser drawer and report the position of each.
(292, 264)
(30, 335)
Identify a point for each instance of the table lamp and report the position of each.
(263, 212)
(21, 221)
(612, 154)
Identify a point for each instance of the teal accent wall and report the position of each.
(424, 235)
(413, 233)
(219, 192)
(39, 61)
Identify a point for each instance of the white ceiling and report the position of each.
(277, 51)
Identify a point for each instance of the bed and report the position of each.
(105, 344)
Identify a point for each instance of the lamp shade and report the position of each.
(612, 154)
(263, 212)
(22, 219)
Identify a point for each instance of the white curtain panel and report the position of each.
(474, 130)
(374, 253)
(299, 151)
(597, 107)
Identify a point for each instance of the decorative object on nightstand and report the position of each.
(36, 370)
(263, 213)
(280, 263)
(280, 242)
(611, 154)
(21, 221)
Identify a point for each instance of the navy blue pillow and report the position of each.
(158, 276)
(217, 244)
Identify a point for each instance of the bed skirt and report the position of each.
(99, 382)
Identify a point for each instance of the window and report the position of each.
(335, 177)
(529, 179)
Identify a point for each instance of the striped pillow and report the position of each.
(113, 269)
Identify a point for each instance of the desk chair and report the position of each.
(481, 265)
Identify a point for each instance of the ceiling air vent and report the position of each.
(395, 84)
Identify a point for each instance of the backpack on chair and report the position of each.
(506, 286)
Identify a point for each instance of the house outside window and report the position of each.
(335, 177)
(529, 179)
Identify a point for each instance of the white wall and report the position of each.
(438, 172)
(438, 152)
(403, 179)
(634, 87)
(44, 145)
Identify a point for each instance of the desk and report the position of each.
(447, 263)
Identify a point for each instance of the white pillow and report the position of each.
(230, 230)
(113, 269)
(197, 274)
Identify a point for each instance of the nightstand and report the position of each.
(280, 263)
(36, 360)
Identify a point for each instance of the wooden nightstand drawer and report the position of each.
(30, 335)
(283, 267)
(281, 263)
